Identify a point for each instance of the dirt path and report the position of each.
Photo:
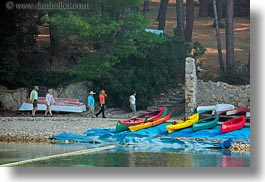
(204, 32)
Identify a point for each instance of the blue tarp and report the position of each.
(158, 136)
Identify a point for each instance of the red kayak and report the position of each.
(150, 116)
(235, 112)
(233, 124)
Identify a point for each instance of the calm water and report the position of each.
(120, 156)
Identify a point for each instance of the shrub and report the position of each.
(161, 64)
(49, 79)
(239, 77)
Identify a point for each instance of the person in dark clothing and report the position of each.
(102, 96)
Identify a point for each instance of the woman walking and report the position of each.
(49, 102)
(102, 96)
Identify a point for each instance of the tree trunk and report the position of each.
(179, 31)
(189, 20)
(219, 6)
(53, 46)
(180, 18)
(248, 66)
(40, 13)
(162, 14)
(158, 15)
(230, 62)
(203, 9)
(218, 39)
(146, 7)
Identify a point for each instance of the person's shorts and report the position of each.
(48, 106)
(133, 107)
(35, 103)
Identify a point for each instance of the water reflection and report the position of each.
(121, 156)
(18, 151)
(231, 161)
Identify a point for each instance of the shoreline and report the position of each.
(40, 129)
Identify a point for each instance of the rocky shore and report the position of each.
(39, 129)
(20, 126)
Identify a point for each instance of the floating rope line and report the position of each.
(59, 155)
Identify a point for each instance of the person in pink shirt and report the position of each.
(49, 101)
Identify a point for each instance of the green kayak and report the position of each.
(206, 123)
(121, 127)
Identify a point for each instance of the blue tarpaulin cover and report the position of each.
(158, 136)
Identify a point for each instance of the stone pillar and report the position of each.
(190, 86)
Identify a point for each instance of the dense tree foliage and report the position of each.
(17, 31)
(109, 46)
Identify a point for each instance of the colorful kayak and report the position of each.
(202, 109)
(183, 123)
(215, 108)
(149, 124)
(233, 124)
(143, 117)
(237, 111)
(219, 108)
(150, 116)
(206, 123)
(121, 127)
(234, 113)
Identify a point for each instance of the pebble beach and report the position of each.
(40, 129)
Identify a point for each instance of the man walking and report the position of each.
(34, 99)
(132, 101)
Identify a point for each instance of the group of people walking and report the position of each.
(91, 103)
(49, 101)
(102, 96)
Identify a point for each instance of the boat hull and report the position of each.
(182, 123)
(150, 123)
(143, 117)
(121, 127)
(218, 108)
(61, 105)
(233, 124)
(206, 123)
(124, 125)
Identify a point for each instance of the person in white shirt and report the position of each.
(49, 101)
(132, 101)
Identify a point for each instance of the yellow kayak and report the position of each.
(183, 123)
